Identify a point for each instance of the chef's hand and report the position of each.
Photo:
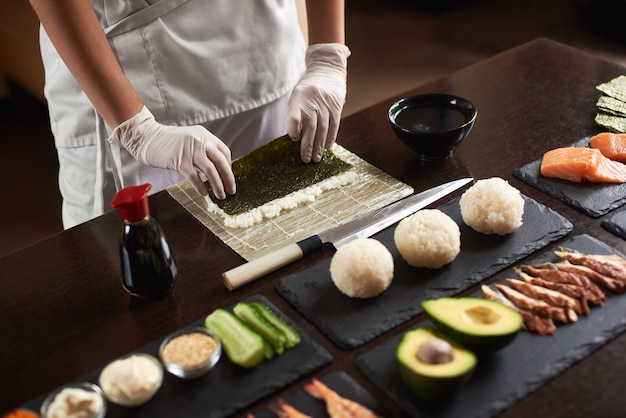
(317, 100)
(191, 150)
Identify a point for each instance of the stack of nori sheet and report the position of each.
(612, 105)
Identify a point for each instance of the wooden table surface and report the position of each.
(65, 313)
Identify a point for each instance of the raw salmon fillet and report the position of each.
(580, 163)
(610, 144)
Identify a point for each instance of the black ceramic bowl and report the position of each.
(432, 124)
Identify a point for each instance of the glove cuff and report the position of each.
(128, 130)
(134, 134)
(334, 54)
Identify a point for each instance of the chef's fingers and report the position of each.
(191, 172)
(216, 165)
(333, 129)
(198, 185)
(207, 157)
(321, 134)
(294, 123)
(306, 146)
(224, 167)
(210, 172)
(309, 130)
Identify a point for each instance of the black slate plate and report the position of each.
(510, 374)
(340, 382)
(616, 224)
(592, 199)
(228, 388)
(350, 322)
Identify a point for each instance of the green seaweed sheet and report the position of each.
(274, 171)
(615, 88)
(611, 105)
(613, 123)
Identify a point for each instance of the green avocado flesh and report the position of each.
(430, 381)
(274, 171)
(478, 324)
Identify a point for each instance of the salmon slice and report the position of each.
(610, 144)
(580, 163)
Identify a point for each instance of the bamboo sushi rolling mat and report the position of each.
(373, 189)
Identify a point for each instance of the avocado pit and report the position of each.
(431, 365)
(435, 351)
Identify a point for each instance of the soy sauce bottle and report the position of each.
(148, 266)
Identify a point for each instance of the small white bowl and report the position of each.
(200, 366)
(131, 380)
(90, 389)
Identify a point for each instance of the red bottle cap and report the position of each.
(132, 202)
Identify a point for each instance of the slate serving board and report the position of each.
(616, 224)
(592, 199)
(340, 382)
(350, 322)
(228, 388)
(508, 375)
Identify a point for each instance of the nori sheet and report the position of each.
(613, 123)
(615, 88)
(274, 171)
(612, 105)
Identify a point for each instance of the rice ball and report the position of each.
(363, 268)
(492, 206)
(428, 238)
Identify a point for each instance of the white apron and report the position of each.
(191, 62)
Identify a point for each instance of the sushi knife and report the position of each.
(361, 227)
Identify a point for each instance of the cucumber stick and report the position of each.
(292, 336)
(275, 337)
(268, 350)
(242, 345)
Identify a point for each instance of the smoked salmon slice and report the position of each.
(581, 163)
(610, 144)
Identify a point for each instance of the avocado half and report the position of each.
(477, 324)
(432, 381)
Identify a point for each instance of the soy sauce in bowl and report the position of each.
(432, 125)
(430, 119)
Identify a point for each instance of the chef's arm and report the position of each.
(317, 100)
(325, 21)
(75, 31)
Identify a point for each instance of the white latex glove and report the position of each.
(317, 100)
(191, 150)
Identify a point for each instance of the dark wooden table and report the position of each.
(65, 314)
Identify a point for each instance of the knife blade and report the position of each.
(361, 227)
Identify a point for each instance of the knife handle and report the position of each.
(268, 263)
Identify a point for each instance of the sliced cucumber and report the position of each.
(258, 323)
(293, 338)
(242, 345)
(268, 350)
